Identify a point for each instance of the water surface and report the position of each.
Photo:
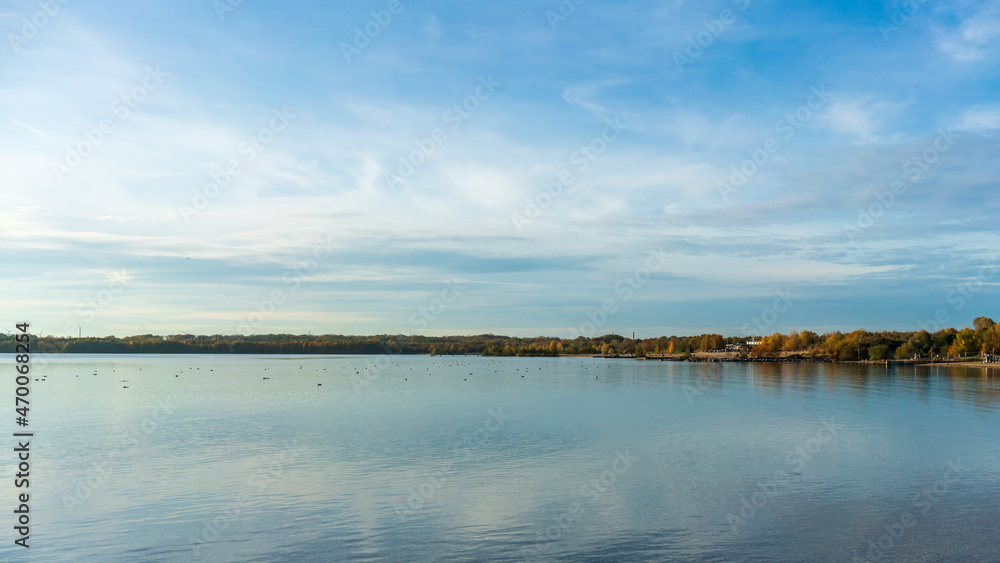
(347, 458)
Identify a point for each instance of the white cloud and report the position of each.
(980, 118)
(850, 117)
(586, 95)
(961, 52)
(971, 40)
(863, 119)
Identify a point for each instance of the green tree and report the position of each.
(878, 352)
(981, 324)
(922, 342)
(991, 340)
(906, 351)
(942, 339)
(966, 343)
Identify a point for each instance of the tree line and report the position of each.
(981, 338)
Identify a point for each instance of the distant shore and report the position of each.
(792, 357)
(806, 346)
(696, 357)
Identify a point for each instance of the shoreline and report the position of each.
(792, 358)
(698, 357)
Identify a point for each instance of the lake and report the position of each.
(353, 458)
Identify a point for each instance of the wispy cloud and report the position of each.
(862, 119)
(973, 39)
(29, 128)
(980, 118)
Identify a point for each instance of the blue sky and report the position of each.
(872, 201)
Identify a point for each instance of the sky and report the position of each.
(526, 167)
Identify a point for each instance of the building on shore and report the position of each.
(745, 346)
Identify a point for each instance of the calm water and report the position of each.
(479, 459)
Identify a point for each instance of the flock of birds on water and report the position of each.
(357, 371)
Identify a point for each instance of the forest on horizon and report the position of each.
(980, 339)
